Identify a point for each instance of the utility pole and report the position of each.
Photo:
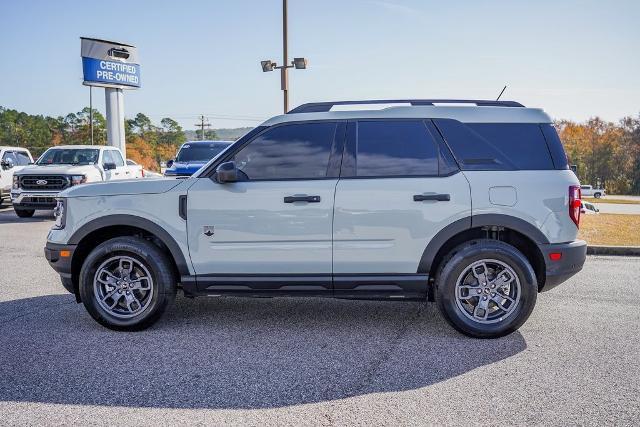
(204, 123)
(285, 59)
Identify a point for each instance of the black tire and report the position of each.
(597, 195)
(24, 213)
(154, 260)
(461, 258)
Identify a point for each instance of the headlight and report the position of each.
(78, 179)
(60, 214)
(16, 182)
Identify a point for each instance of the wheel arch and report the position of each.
(98, 230)
(515, 231)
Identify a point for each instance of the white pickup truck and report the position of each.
(12, 159)
(36, 187)
(591, 191)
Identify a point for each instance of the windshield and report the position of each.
(199, 152)
(69, 156)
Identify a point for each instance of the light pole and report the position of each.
(298, 63)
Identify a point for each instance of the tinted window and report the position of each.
(295, 151)
(556, 149)
(496, 146)
(23, 158)
(199, 152)
(395, 148)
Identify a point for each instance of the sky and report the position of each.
(574, 59)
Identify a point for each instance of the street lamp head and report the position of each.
(267, 65)
(300, 63)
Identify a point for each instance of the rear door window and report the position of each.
(388, 148)
(497, 146)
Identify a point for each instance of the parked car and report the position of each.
(36, 187)
(474, 206)
(193, 155)
(136, 169)
(591, 191)
(588, 208)
(12, 159)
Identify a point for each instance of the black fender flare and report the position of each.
(138, 222)
(514, 223)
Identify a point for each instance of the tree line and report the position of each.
(604, 153)
(147, 143)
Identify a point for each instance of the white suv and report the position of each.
(474, 206)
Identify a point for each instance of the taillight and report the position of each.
(574, 204)
(142, 171)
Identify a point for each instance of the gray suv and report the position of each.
(473, 206)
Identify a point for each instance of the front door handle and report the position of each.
(436, 197)
(302, 198)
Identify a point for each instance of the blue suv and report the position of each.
(193, 155)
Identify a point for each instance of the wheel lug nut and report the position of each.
(484, 298)
(479, 291)
(493, 294)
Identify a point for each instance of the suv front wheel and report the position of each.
(126, 283)
(486, 288)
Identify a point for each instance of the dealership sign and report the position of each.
(109, 64)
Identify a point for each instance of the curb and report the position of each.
(614, 250)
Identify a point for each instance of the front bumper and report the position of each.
(34, 199)
(573, 255)
(59, 257)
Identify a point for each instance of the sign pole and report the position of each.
(114, 102)
(91, 111)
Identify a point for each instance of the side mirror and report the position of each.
(226, 172)
(109, 166)
(7, 164)
(169, 163)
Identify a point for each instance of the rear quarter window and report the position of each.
(497, 146)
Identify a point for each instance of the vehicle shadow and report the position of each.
(233, 353)
(8, 216)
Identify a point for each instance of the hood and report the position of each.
(55, 169)
(188, 168)
(124, 187)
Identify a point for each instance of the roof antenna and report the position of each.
(501, 92)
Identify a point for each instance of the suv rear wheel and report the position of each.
(126, 283)
(486, 288)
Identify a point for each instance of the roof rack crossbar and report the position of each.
(323, 107)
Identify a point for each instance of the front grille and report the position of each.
(47, 182)
(35, 202)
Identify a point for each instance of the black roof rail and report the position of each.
(323, 107)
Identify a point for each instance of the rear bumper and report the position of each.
(53, 252)
(573, 255)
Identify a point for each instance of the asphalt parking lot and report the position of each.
(313, 361)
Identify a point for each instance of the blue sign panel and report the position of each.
(110, 72)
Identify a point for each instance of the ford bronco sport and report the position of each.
(473, 206)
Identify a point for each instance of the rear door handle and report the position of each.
(436, 197)
(302, 198)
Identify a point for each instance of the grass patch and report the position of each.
(612, 201)
(610, 229)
